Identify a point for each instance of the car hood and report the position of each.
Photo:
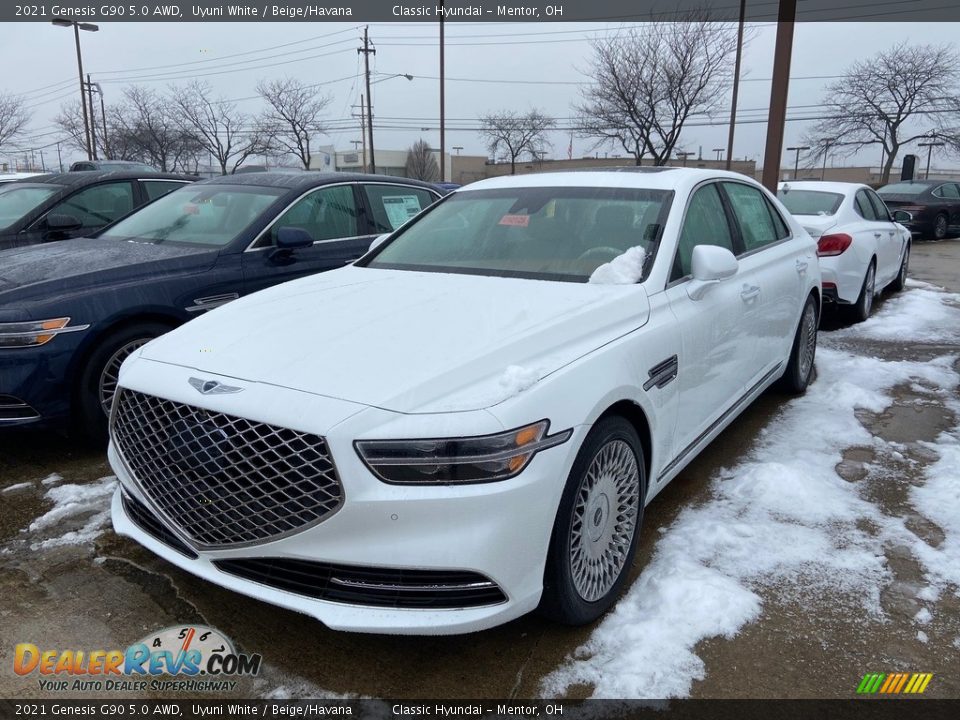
(816, 225)
(410, 342)
(69, 265)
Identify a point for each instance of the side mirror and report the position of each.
(378, 241)
(902, 216)
(290, 238)
(709, 265)
(62, 222)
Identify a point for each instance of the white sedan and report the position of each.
(862, 249)
(466, 424)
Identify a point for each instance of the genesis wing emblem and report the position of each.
(212, 387)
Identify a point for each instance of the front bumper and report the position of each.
(39, 378)
(499, 530)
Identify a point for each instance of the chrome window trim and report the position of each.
(686, 208)
(266, 230)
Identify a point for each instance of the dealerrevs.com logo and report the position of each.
(205, 656)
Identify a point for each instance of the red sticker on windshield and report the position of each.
(191, 209)
(515, 220)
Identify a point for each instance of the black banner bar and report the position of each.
(363, 11)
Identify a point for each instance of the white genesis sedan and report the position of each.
(862, 249)
(466, 424)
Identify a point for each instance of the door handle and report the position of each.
(749, 292)
(802, 266)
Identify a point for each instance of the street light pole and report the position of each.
(719, 152)
(796, 159)
(826, 142)
(929, 146)
(684, 156)
(93, 122)
(77, 27)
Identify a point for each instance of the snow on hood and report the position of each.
(405, 341)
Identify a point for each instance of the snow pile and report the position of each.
(75, 501)
(624, 269)
(17, 487)
(938, 499)
(781, 517)
(925, 313)
(52, 479)
(516, 379)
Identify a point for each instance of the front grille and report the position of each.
(13, 408)
(225, 481)
(380, 587)
(148, 522)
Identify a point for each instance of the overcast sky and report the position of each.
(40, 62)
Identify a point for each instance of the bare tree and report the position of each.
(649, 80)
(896, 97)
(70, 122)
(216, 126)
(512, 134)
(14, 117)
(294, 116)
(421, 164)
(154, 131)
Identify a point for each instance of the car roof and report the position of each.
(307, 179)
(841, 188)
(89, 177)
(652, 178)
(928, 183)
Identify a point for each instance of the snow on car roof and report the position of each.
(650, 178)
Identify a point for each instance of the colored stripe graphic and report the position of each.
(894, 683)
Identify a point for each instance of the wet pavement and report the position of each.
(68, 582)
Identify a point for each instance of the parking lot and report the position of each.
(813, 542)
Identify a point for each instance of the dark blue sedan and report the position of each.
(70, 313)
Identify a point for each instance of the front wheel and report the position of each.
(800, 365)
(900, 282)
(595, 533)
(98, 381)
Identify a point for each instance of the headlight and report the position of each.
(34, 332)
(458, 460)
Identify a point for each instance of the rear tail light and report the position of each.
(834, 244)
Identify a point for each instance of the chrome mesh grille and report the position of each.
(224, 480)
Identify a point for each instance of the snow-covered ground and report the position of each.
(784, 521)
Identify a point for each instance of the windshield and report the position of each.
(903, 188)
(810, 202)
(545, 233)
(18, 200)
(210, 215)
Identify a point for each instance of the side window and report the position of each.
(392, 205)
(879, 207)
(753, 215)
(159, 188)
(705, 224)
(98, 205)
(950, 191)
(938, 191)
(326, 214)
(862, 204)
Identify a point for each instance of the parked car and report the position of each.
(862, 250)
(71, 312)
(929, 208)
(467, 423)
(129, 165)
(68, 205)
(446, 187)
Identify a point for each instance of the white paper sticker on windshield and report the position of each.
(400, 208)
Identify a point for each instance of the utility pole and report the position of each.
(59, 157)
(443, 141)
(93, 123)
(363, 132)
(367, 51)
(929, 146)
(736, 83)
(103, 114)
(43, 164)
(826, 142)
(779, 88)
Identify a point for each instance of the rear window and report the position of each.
(810, 202)
(903, 188)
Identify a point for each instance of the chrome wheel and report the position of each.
(808, 341)
(905, 265)
(940, 228)
(604, 520)
(869, 291)
(111, 372)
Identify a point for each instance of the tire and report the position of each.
(900, 282)
(800, 366)
(860, 310)
(97, 382)
(587, 569)
(940, 227)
